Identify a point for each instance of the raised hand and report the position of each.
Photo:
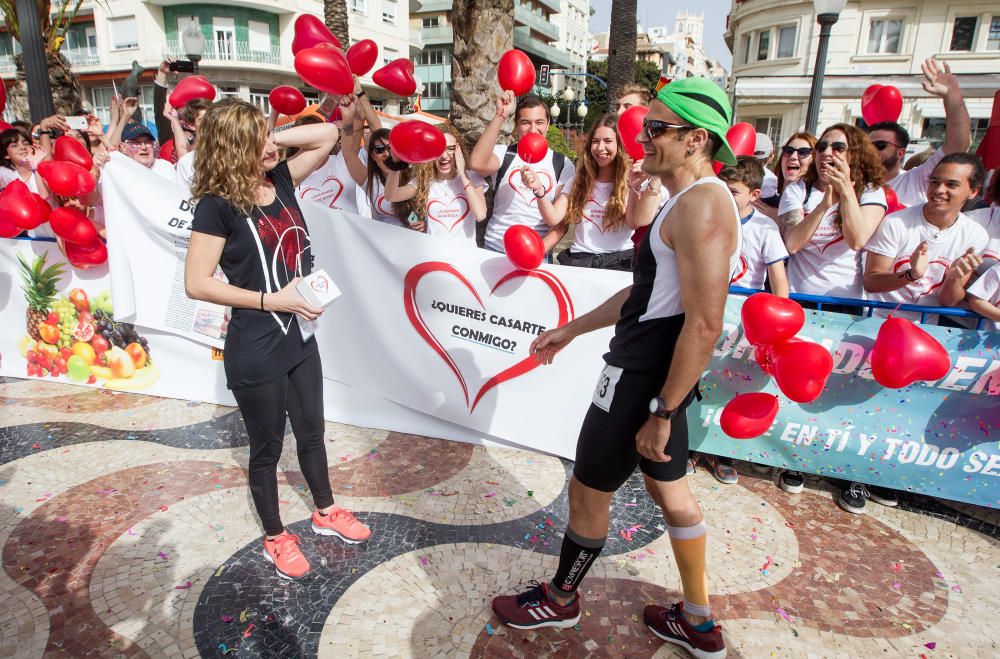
(919, 261)
(505, 104)
(938, 78)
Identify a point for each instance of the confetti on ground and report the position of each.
(243, 616)
(249, 629)
(489, 630)
(227, 619)
(784, 614)
(931, 645)
(219, 572)
(424, 560)
(183, 586)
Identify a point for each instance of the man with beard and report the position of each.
(891, 139)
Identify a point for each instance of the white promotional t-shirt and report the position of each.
(762, 247)
(448, 212)
(989, 219)
(770, 186)
(184, 170)
(987, 287)
(900, 233)
(514, 203)
(331, 185)
(590, 235)
(911, 186)
(381, 209)
(826, 265)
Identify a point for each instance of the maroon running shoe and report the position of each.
(670, 625)
(534, 608)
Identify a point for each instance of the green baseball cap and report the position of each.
(701, 103)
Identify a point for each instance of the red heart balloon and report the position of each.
(532, 148)
(326, 69)
(18, 207)
(801, 369)
(416, 142)
(362, 56)
(86, 256)
(516, 72)
(72, 226)
(763, 356)
(881, 103)
(769, 319)
(905, 353)
(287, 100)
(749, 415)
(629, 125)
(742, 138)
(167, 152)
(3, 97)
(190, 88)
(8, 229)
(66, 179)
(43, 207)
(397, 77)
(309, 32)
(523, 247)
(69, 150)
(4, 126)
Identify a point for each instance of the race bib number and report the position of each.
(604, 393)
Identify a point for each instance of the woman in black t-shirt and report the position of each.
(248, 222)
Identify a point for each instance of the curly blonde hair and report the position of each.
(866, 165)
(227, 161)
(586, 175)
(425, 173)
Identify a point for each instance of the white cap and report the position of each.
(763, 148)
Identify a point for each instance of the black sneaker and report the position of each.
(792, 481)
(853, 498)
(883, 495)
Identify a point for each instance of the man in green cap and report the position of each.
(666, 325)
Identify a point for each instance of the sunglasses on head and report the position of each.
(380, 148)
(803, 151)
(838, 147)
(881, 144)
(654, 128)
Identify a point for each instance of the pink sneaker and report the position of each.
(284, 552)
(341, 523)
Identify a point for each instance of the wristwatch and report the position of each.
(360, 94)
(659, 409)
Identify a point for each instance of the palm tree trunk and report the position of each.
(621, 47)
(67, 96)
(335, 17)
(483, 32)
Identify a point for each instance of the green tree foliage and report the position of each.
(647, 74)
(558, 143)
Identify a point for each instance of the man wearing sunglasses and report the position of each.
(891, 139)
(666, 326)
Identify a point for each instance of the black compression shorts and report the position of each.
(605, 451)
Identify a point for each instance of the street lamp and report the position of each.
(193, 40)
(827, 13)
(555, 111)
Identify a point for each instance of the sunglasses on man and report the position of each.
(881, 144)
(838, 147)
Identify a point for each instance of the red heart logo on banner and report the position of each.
(450, 214)
(415, 274)
(522, 191)
(330, 191)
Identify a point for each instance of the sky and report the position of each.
(652, 13)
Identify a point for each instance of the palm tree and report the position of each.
(336, 18)
(67, 96)
(483, 31)
(621, 46)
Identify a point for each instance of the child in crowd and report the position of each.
(984, 297)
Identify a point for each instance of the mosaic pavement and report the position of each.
(127, 530)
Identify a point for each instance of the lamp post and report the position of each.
(827, 13)
(193, 41)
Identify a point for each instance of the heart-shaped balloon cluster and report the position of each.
(326, 69)
(397, 77)
(66, 179)
(904, 353)
(287, 100)
(311, 32)
(190, 88)
(20, 209)
(68, 149)
(881, 103)
(362, 56)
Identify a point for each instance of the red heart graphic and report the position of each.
(597, 221)
(450, 214)
(325, 193)
(522, 190)
(744, 266)
(416, 273)
(285, 232)
(928, 277)
(380, 204)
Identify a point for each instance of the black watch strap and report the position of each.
(659, 409)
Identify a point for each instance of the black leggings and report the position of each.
(299, 394)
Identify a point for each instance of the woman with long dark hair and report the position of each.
(794, 159)
(600, 202)
(248, 222)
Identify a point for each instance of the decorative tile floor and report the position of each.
(127, 530)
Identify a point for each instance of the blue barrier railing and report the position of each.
(871, 305)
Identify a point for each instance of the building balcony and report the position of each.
(7, 63)
(269, 6)
(81, 56)
(538, 24)
(540, 51)
(435, 105)
(438, 35)
(416, 40)
(229, 51)
(433, 6)
(550, 4)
